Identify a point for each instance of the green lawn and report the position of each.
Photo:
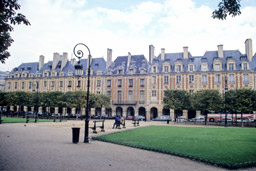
(22, 120)
(213, 145)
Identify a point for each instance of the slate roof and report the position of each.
(26, 67)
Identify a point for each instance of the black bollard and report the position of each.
(138, 123)
(124, 124)
(54, 118)
(27, 120)
(168, 121)
(36, 117)
(76, 132)
(102, 127)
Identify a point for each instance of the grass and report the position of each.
(228, 145)
(21, 120)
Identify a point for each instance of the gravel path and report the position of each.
(48, 146)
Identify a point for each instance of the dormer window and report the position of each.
(166, 68)
(217, 67)
(154, 69)
(231, 67)
(190, 68)
(99, 72)
(96, 65)
(178, 68)
(131, 71)
(245, 66)
(204, 67)
(22, 69)
(120, 71)
(29, 68)
(45, 74)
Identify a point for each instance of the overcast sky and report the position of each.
(126, 26)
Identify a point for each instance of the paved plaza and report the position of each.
(48, 146)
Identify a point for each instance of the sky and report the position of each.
(126, 26)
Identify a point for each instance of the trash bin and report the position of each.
(76, 132)
(168, 121)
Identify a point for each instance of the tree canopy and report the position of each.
(227, 7)
(9, 17)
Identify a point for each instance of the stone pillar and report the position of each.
(83, 111)
(185, 113)
(172, 114)
(92, 111)
(147, 115)
(113, 111)
(103, 110)
(64, 111)
(73, 111)
(48, 109)
(56, 110)
(40, 109)
(11, 108)
(32, 109)
(160, 112)
(18, 108)
(198, 113)
(25, 108)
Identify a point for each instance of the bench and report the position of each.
(95, 126)
(31, 116)
(136, 122)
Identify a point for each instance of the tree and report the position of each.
(227, 7)
(207, 100)
(177, 100)
(8, 17)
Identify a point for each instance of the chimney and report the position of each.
(220, 51)
(162, 54)
(248, 49)
(151, 53)
(109, 57)
(73, 61)
(41, 61)
(56, 58)
(185, 52)
(64, 60)
(129, 59)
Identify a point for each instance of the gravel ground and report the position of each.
(48, 146)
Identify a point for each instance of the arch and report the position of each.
(52, 110)
(119, 111)
(166, 112)
(97, 111)
(60, 110)
(29, 108)
(142, 112)
(69, 110)
(153, 113)
(109, 111)
(191, 114)
(130, 111)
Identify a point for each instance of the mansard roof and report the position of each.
(97, 64)
(31, 67)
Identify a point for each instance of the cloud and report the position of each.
(56, 26)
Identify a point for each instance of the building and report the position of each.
(136, 85)
(3, 76)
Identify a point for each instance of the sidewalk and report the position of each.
(48, 146)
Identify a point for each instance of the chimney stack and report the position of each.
(151, 53)
(220, 51)
(248, 49)
(56, 58)
(162, 54)
(64, 60)
(129, 59)
(41, 61)
(109, 57)
(185, 52)
(73, 61)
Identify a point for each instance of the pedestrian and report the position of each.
(117, 122)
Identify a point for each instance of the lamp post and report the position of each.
(225, 94)
(79, 71)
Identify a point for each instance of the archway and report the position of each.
(60, 110)
(109, 112)
(97, 111)
(130, 111)
(166, 112)
(119, 111)
(153, 113)
(142, 112)
(191, 114)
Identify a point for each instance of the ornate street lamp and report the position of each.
(225, 94)
(79, 72)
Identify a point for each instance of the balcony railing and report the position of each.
(118, 102)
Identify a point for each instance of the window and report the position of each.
(78, 83)
(9, 85)
(154, 80)
(69, 83)
(204, 79)
(130, 82)
(108, 83)
(231, 78)
(217, 67)
(130, 95)
(29, 85)
(109, 93)
(191, 91)
(166, 80)
(154, 69)
(45, 83)
(119, 96)
(191, 68)
(22, 85)
(119, 82)
(142, 82)
(166, 69)
(217, 79)
(142, 96)
(191, 79)
(45, 74)
(231, 67)
(204, 67)
(178, 79)
(153, 93)
(61, 83)
(52, 84)
(98, 83)
(98, 92)
(245, 67)
(53, 74)
(178, 68)
(246, 79)
(120, 71)
(15, 85)
(131, 71)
